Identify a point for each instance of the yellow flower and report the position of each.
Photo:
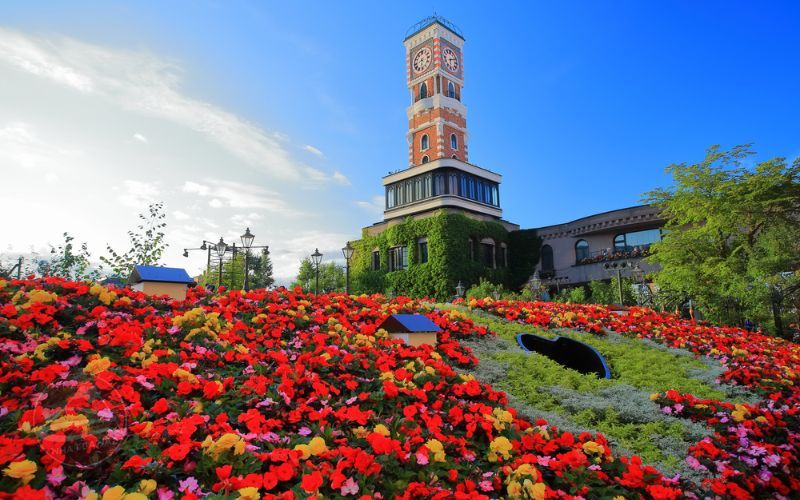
(514, 489)
(654, 396)
(317, 446)
(739, 413)
(134, 496)
(436, 447)
(24, 470)
(226, 442)
(499, 447)
(71, 420)
(590, 447)
(114, 493)
(249, 493)
(36, 296)
(147, 486)
(97, 365)
(526, 470)
(382, 430)
(305, 449)
(360, 432)
(534, 490)
(184, 375)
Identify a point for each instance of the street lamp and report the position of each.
(459, 289)
(347, 251)
(220, 248)
(206, 247)
(247, 242)
(316, 258)
(618, 267)
(535, 284)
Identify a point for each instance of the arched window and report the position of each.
(453, 141)
(547, 258)
(425, 159)
(451, 90)
(423, 90)
(423, 142)
(581, 251)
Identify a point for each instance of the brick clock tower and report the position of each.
(439, 176)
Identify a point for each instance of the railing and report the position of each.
(606, 255)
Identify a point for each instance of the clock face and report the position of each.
(450, 59)
(422, 59)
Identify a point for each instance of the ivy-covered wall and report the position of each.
(448, 257)
(523, 250)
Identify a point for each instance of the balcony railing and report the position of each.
(607, 255)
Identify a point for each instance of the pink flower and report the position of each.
(304, 431)
(350, 487)
(422, 458)
(56, 475)
(105, 414)
(188, 485)
(118, 434)
(485, 486)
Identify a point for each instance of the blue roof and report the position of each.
(162, 274)
(409, 323)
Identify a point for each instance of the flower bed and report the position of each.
(106, 393)
(755, 448)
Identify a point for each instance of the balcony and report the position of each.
(636, 252)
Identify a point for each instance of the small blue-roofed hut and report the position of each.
(413, 329)
(154, 280)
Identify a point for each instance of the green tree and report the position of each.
(731, 241)
(147, 243)
(331, 277)
(260, 266)
(68, 261)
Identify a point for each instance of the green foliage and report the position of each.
(448, 256)
(147, 243)
(483, 289)
(523, 247)
(260, 266)
(575, 295)
(731, 231)
(607, 292)
(620, 408)
(331, 277)
(68, 261)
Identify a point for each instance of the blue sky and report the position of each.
(301, 107)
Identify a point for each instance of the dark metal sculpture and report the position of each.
(567, 352)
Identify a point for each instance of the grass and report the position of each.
(620, 408)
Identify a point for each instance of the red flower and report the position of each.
(311, 482)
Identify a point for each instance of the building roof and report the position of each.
(162, 274)
(421, 25)
(408, 323)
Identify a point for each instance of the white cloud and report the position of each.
(143, 83)
(180, 215)
(340, 178)
(374, 206)
(138, 194)
(238, 195)
(22, 146)
(314, 151)
(141, 138)
(241, 220)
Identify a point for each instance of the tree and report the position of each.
(260, 275)
(731, 238)
(331, 277)
(147, 243)
(68, 261)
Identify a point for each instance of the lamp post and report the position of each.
(220, 248)
(347, 251)
(459, 289)
(247, 242)
(618, 267)
(316, 258)
(206, 247)
(535, 285)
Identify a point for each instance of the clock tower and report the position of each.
(439, 175)
(437, 126)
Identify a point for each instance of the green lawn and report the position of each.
(621, 407)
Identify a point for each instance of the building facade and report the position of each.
(442, 215)
(578, 252)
